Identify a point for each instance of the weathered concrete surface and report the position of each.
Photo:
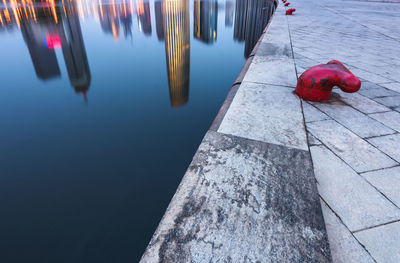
(250, 194)
(243, 201)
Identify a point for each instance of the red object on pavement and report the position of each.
(316, 83)
(284, 1)
(290, 11)
(287, 4)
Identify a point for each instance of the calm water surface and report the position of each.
(103, 104)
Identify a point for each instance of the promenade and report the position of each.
(278, 179)
(354, 138)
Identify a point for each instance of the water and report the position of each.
(103, 104)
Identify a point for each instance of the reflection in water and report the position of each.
(177, 49)
(144, 18)
(48, 26)
(250, 20)
(55, 29)
(159, 19)
(112, 15)
(229, 9)
(205, 18)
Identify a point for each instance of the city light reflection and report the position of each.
(57, 26)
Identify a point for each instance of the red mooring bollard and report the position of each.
(290, 11)
(316, 83)
(287, 4)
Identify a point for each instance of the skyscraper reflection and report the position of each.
(144, 17)
(47, 27)
(251, 17)
(205, 19)
(44, 59)
(111, 16)
(177, 49)
(74, 50)
(158, 10)
(109, 20)
(240, 20)
(229, 9)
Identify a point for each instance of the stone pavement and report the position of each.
(354, 138)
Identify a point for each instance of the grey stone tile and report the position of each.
(275, 72)
(372, 90)
(266, 113)
(393, 101)
(387, 181)
(395, 86)
(356, 152)
(389, 144)
(354, 120)
(274, 51)
(312, 140)
(369, 76)
(344, 247)
(362, 103)
(313, 114)
(305, 63)
(299, 70)
(355, 201)
(243, 201)
(382, 242)
(390, 119)
(276, 35)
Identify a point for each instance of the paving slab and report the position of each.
(355, 151)
(313, 114)
(274, 51)
(387, 181)
(312, 140)
(382, 242)
(266, 113)
(362, 103)
(369, 76)
(243, 201)
(354, 120)
(355, 201)
(372, 90)
(392, 101)
(272, 71)
(389, 144)
(395, 86)
(390, 119)
(344, 247)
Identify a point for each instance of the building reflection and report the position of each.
(177, 49)
(158, 10)
(229, 9)
(251, 17)
(144, 18)
(111, 16)
(205, 19)
(46, 28)
(109, 20)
